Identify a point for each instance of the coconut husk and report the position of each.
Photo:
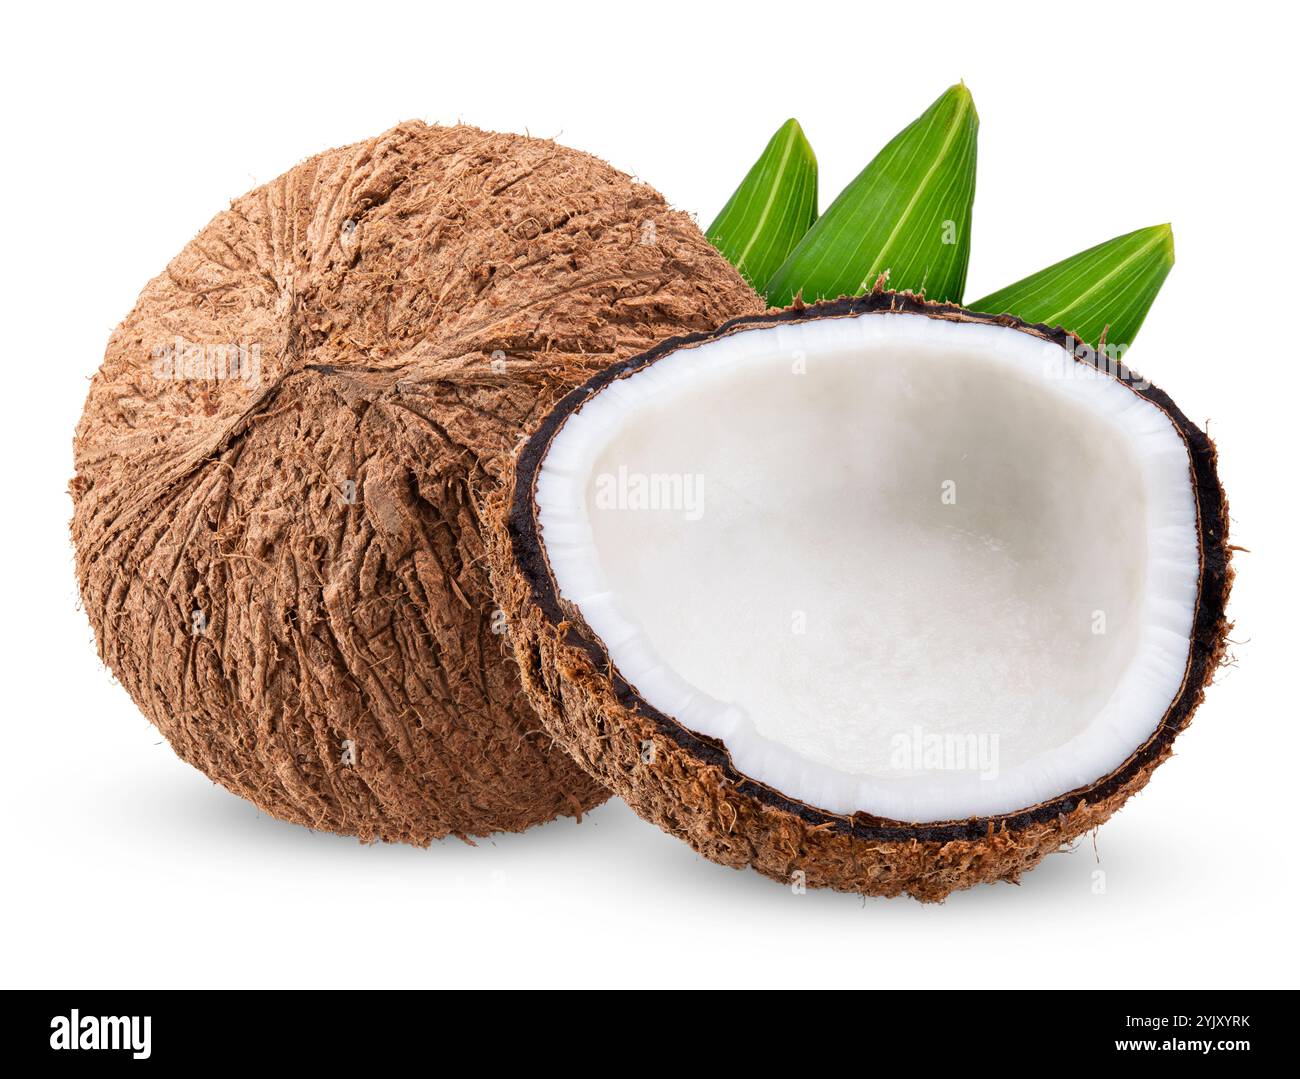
(688, 785)
(279, 547)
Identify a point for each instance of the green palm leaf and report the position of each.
(772, 209)
(908, 214)
(1106, 289)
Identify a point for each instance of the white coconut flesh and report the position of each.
(920, 569)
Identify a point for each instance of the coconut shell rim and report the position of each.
(1209, 624)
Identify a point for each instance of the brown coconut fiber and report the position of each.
(687, 784)
(282, 461)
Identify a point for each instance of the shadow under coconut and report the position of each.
(1120, 862)
(612, 844)
(198, 810)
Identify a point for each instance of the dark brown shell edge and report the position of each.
(693, 791)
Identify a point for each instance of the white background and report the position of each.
(126, 131)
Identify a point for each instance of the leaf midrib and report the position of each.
(1055, 319)
(771, 198)
(921, 188)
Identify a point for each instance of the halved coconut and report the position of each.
(879, 595)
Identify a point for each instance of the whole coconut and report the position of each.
(282, 464)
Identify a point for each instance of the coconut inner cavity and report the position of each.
(920, 569)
